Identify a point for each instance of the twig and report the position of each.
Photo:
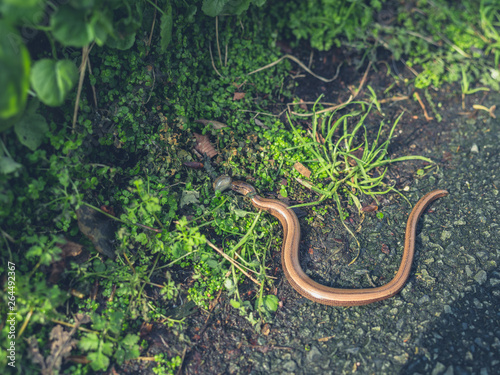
(293, 58)
(232, 261)
(217, 38)
(212, 59)
(225, 57)
(329, 109)
(91, 85)
(427, 39)
(394, 99)
(263, 348)
(370, 280)
(151, 33)
(257, 113)
(83, 67)
(427, 117)
(179, 370)
(415, 73)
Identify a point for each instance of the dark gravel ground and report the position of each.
(445, 320)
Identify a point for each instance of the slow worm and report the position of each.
(290, 251)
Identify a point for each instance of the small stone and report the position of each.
(313, 355)
(403, 358)
(478, 303)
(481, 277)
(445, 234)
(438, 369)
(424, 299)
(468, 271)
(494, 282)
(290, 366)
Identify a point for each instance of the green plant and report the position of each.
(166, 366)
(107, 342)
(348, 166)
(347, 163)
(446, 39)
(325, 22)
(466, 90)
(214, 8)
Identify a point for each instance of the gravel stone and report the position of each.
(481, 277)
(289, 366)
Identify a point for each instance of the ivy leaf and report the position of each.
(124, 29)
(52, 80)
(8, 165)
(70, 27)
(14, 74)
(122, 42)
(213, 8)
(23, 3)
(166, 28)
(236, 6)
(21, 12)
(102, 25)
(31, 127)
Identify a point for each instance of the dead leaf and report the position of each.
(304, 171)
(238, 95)
(82, 359)
(203, 145)
(60, 348)
(34, 353)
(193, 164)
(145, 329)
(81, 318)
(108, 209)
(260, 123)
(77, 293)
(385, 249)
(370, 208)
(98, 228)
(69, 249)
(265, 329)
